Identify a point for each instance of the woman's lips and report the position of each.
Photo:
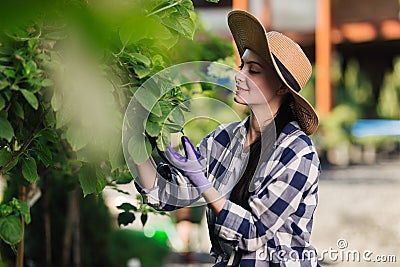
(238, 89)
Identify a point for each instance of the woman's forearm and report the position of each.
(147, 173)
(214, 199)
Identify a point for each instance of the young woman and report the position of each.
(259, 177)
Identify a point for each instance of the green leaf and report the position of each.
(173, 128)
(77, 138)
(30, 68)
(12, 165)
(164, 139)
(8, 94)
(31, 98)
(2, 103)
(50, 120)
(139, 150)
(25, 213)
(9, 73)
(127, 207)
(6, 130)
(141, 58)
(56, 101)
(47, 83)
(141, 71)
(140, 27)
(157, 110)
(18, 110)
(5, 59)
(15, 204)
(11, 229)
(184, 26)
(177, 117)
(101, 180)
(126, 218)
(146, 98)
(5, 210)
(116, 156)
(183, 11)
(153, 128)
(5, 157)
(15, 87)
(124, 178)
(92, 179)
(29, 169)
(188, 4)
(143, 218)
(132, 30)
(4, 84)
(44, 154)
(22, 208)
(43, 57)
(49, 134)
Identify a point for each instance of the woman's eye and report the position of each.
(254, 71)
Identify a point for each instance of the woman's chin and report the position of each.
(239, 100)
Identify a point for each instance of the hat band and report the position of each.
(291, 81)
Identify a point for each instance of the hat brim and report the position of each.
(248, 33)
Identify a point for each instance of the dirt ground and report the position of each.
(359, 210)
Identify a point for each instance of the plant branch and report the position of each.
(165, 8)
(25, 144)
(8, 107)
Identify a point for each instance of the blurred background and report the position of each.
(354, 47)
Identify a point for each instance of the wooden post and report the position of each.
(266, 14)
(323, 57)
(239, 5)
(20, 254)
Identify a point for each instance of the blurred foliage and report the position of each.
(67, 72)
(353, 99)
(93, 245)
(308, 92)
(388, 106)
(127, 244)
(128, 215)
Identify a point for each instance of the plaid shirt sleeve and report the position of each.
(291, 182)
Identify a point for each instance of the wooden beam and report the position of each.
(323, 58)
(239, 5)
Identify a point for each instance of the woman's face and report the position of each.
(257, 81)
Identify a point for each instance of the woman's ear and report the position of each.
(283, 89)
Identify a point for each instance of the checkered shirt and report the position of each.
(276, 231)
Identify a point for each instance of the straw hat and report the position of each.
(288, 59)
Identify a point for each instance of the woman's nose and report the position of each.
(239, 77)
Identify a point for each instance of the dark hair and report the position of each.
(240, 193)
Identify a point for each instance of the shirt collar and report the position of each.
(241, 127)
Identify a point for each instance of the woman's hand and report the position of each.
(189, 164)
(193, 169)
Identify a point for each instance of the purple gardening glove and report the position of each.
(190, 164)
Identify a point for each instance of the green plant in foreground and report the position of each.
(52, 123)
